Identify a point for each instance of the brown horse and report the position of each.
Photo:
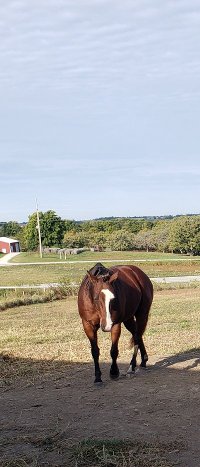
(109, 297)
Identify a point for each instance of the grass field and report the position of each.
(28, 257)
(47, 336)
(72, 272)
(154, 264)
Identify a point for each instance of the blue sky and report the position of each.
(99, 107)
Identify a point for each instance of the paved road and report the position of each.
(4, 260)
(168, 280)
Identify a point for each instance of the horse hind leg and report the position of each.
(143, 352)
(141, 316)
(131, 326)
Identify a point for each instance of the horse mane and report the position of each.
(99, 271)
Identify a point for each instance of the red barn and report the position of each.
(9, 245)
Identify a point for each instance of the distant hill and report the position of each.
(115, 218)
(148, 218)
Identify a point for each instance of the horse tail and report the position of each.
(131, 343)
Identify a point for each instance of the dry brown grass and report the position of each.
(118, 453)
(37, 340)
(99, 453)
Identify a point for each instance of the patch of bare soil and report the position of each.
(42, 422)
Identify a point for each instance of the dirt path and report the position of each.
(4, 260)
(41, 420)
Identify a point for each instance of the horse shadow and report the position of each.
(181, 357)
(49, 406)
(16, 371)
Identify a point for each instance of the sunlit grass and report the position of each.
(52, 332)
(73, 273)
(28, 257)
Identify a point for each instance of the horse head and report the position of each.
(103, 293)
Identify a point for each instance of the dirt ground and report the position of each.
(41, 420)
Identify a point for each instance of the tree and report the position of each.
(73, 239)
(195, 235)
(161, 235)
(180, 237)
(52, 230)
(121, 240)
(185, 234)
(98, 240)
(10, 229)
(144, 240)
(31, 233)
(72, 225)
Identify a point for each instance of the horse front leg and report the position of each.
(91, 333)
(115, 335)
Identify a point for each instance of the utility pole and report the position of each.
(38, 228)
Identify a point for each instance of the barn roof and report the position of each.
(8, 240)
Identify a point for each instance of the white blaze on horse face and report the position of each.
(108, 296)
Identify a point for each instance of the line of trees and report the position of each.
(179, 234)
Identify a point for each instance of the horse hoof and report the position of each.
(143, 365)
(98, 381)
(98, 384)
(130, 374)
(131, 371)
(113, 376)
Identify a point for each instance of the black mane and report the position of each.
(99, 270)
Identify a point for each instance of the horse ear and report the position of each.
(91, 277)
(113, 277)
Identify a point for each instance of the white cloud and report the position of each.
(49, 43)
